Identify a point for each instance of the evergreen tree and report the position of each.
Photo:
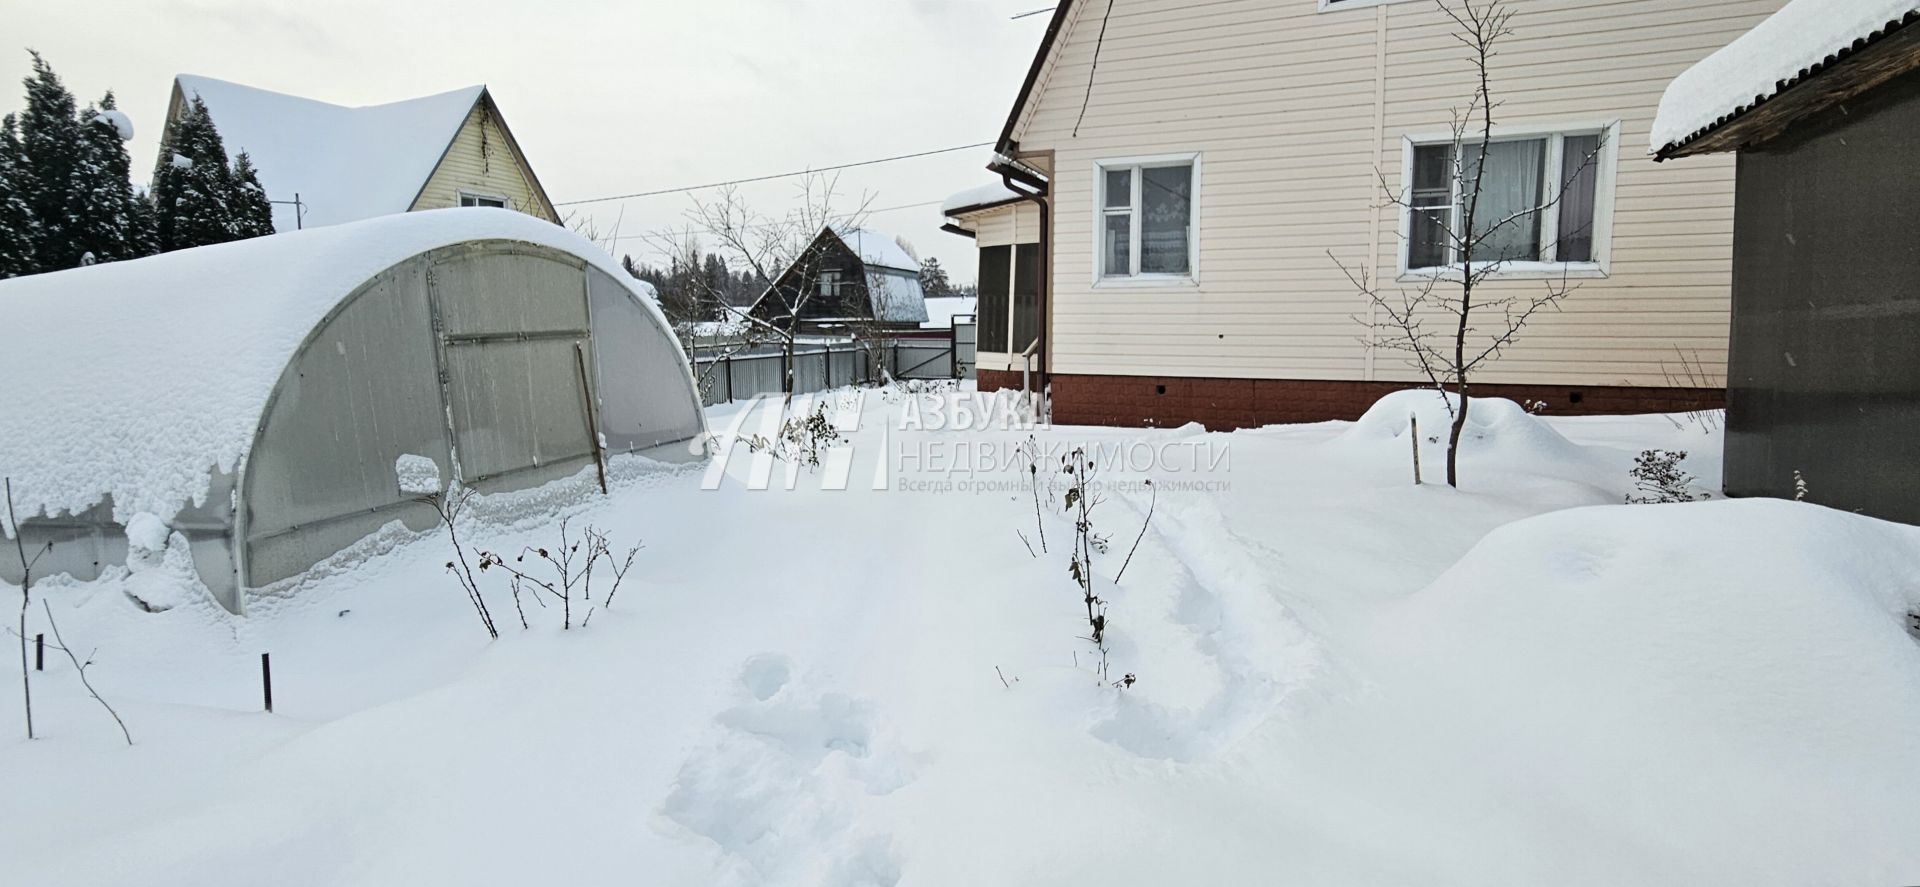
(192, 185)
(252, 213)
(933, 279)
(145, 230)
(102, 203)
(17, 236)
(50, 140)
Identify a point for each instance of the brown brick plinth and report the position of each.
(994, 380)
(1168, 401)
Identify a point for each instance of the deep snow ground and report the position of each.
(1344, 679)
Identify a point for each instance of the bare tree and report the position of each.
(26, 597)
(783, 250)
(1470, 236)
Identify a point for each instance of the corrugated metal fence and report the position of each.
(818, 367)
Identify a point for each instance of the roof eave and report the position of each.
(1894, 48)
(1006, 146)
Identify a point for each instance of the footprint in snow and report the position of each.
(783, 782)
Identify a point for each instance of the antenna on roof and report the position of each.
(1034, 12)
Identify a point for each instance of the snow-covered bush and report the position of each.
(1658, 477)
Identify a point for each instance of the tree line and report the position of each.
(67, 197)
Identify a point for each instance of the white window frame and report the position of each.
(1133, 277)
(464, 195)
(1607, 159)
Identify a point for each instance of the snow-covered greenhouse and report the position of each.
(254, 397)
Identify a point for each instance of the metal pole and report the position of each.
(1415, 420)
(729, 362)
(266, 681)
(593, 421)
(39, 652)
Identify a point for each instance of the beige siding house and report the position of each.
(324, 164)
(1198, 190)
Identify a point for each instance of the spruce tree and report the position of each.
(933, 279)
(17, 236)
(102, 201)
(50, 140)
(192, 185)
(252, 213)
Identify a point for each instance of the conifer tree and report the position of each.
(252, 213)
(192, 183)
(17, 237)
(933, 279)
(50, 140)
(102, 200)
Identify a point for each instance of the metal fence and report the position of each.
(818, 367)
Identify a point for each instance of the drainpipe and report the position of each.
(1008, 176)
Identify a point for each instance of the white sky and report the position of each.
(605, 96)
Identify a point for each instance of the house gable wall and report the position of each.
(1293, 110)
(483, 160)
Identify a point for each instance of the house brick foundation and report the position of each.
(994, 380)
(1219, 404)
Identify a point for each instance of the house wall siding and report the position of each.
(1293, 110)
(482, 160)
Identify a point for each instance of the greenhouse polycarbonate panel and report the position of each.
(497, 289)
(516, 405)
(361, 394)
(641, 381)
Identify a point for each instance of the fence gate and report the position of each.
(966, 345)
(516, 395)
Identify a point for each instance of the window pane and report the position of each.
(1580, 176)
(1427, 244)
(1116, 249)
(1428, 241)
(1119, 189)
(1166, 208)
(1506, 223)
(1026, 297)
(1432, 167)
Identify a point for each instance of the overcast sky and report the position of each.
(605, 96)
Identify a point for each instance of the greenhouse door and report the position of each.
(513, 340)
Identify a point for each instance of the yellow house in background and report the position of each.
(324, 164)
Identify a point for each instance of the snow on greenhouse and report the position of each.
(256, 397)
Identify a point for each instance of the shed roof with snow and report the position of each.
(256, 394)
(351, 163)
(1756, 85)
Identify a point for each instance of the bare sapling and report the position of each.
(1469, 240)
(1030, 453)
(26, 597)
(1152, 503)
(1659, 479)
(449, 506)
(570, 571)
(80, 668)
(1081, 498)
(59, 643)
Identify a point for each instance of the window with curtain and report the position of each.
(1146, 220)
(1539, 197)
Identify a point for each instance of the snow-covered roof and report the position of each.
(896, 295)
(941, 310)
(974, 198)
(138, 378)
(345, 163)
(1791, 44)
(877, 249)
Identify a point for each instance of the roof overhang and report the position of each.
(1006, 146)
(1847, 72)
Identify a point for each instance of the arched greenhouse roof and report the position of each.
(140, 378)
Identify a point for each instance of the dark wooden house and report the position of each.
(1822, 105)
(850, 281)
